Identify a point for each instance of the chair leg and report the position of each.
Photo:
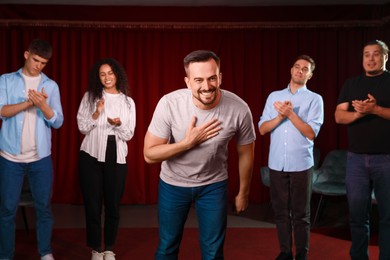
(25, 219)
(317, 211)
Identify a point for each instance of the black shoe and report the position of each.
(301, 256)
(285, 256)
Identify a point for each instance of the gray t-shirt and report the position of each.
(207, 162)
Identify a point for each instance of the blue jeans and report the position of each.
(364, 173)
(174, 203)
(40, 174)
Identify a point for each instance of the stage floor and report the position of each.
(334, 212)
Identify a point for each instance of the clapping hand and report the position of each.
(37, 98)
(365, 106)
(114, 121)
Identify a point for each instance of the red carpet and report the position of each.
(241, 244)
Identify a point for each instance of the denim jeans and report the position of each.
(174, 204)
(40, 174)
(364, 173)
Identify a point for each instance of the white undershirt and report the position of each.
(112, 107)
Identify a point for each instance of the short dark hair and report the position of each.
(41, 48)
(385, 49)
(308, 59)
(200, 56)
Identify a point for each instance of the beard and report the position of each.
(374, 72)
(207, 102)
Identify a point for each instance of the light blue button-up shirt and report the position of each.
(290, 150)
(12, 91)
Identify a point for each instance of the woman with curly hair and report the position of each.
(106, 117)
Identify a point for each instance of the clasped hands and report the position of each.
(366, 106)
(36, 98)
(284, 108)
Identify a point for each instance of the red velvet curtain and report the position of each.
(256, 60)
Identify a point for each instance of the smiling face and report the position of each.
(108, 78)
(33, 64)
(374, 60)
(204, 80)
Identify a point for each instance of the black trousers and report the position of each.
(102, 184)
(290, 199)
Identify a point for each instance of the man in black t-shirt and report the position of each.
(364, 105)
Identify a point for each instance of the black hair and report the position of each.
(95, 86)
(200, 56)
(385, 49)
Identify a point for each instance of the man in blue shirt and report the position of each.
(30, 106)
(294, 117)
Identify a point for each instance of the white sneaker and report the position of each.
(47, 257)
(97, 255)
(109, 255)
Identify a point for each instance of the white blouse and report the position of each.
(96, 131)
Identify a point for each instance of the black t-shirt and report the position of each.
(370, 134)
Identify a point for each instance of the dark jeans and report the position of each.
(174, 204)
(290, 199)
(102, 183)
(364, 173)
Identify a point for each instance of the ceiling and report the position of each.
(199, 2)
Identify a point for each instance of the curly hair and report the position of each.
(95, 87)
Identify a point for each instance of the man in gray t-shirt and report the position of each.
(189, 133)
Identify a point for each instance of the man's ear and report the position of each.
(187, 81)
